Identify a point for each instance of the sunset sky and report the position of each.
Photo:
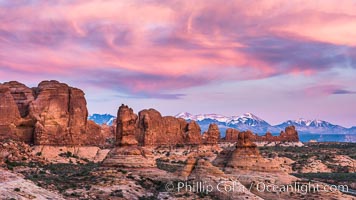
(277, 59)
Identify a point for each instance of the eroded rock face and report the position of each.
(10, 115)
(62, 112)
(193, 134)
(51, 114)
(22, 95)
(212, 136)
(156, 130)
(61, 115)
(126, 126)
(150, 128)
(231, 135)
(247, 157)
(290, 134)
(245, 140)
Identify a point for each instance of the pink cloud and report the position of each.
(174, 41)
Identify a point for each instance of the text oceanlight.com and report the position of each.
(237, 187)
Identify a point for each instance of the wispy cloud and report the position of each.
(324, 90)
(151, 48)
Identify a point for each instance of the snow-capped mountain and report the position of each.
(102, 119)
(248, 121)
(188, 116)
(352, 130)
(314, 126)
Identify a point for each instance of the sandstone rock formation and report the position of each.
(126, 127)
(9, 116)
(231, 135)
(51, 114)
(155, 129)
(61, 113)
(289, 135)
(129, 157)
(150, 128)
(212, 136)
(22, 95)
(193, 133)
(247, 157)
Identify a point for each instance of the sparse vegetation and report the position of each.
(68, 154)
(331, 178)
(117, 193)
(325, 152)
(63, 176)
(321, 151)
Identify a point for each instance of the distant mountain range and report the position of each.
(249, 121)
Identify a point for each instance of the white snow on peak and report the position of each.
(314, 122)
(220, 118)
(184, 115)
(251, 116)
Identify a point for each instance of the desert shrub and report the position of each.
(117, 193)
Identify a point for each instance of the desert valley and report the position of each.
(50, 150)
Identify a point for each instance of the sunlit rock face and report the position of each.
(51, 114)
(9, 114)
(247, 157)
(212, 136)
(150, 128)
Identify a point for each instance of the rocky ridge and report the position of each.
(290, 134)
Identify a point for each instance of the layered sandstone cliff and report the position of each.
(150, 128)
(10, 115)
(51, 114)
